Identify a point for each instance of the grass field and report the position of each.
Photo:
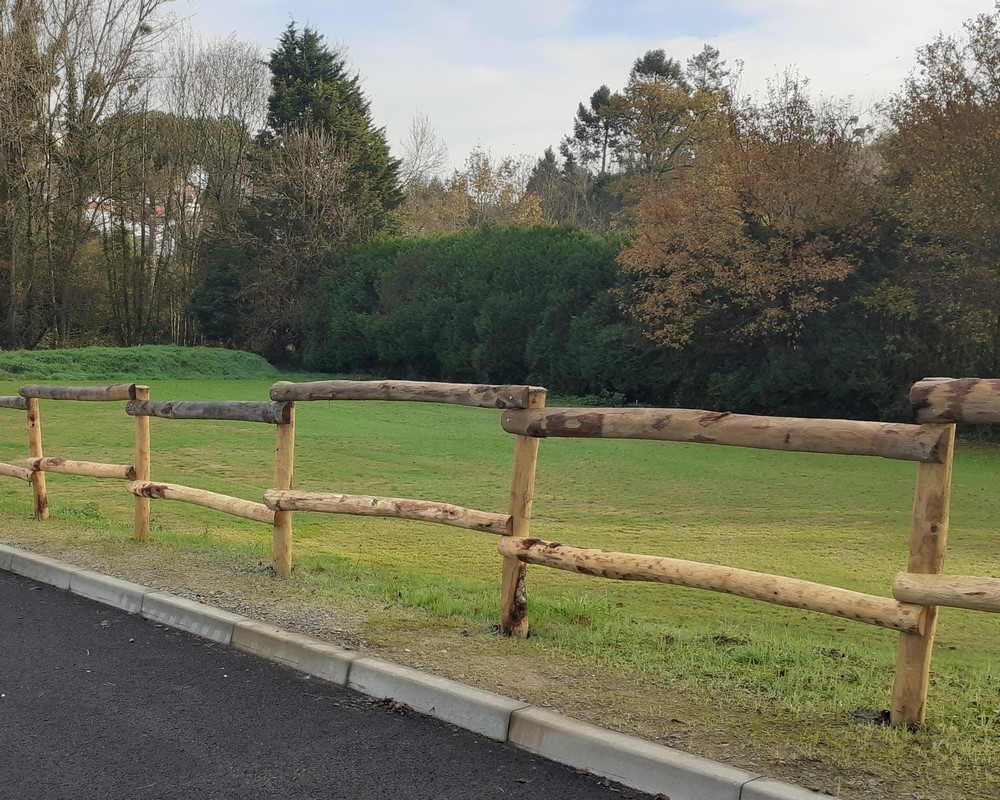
(774, 689)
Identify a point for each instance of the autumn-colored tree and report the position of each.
(495, 187)
(944, 166)
(628, 140)
(487, 190)
(435, 207)
(750, 241)
(657, 115)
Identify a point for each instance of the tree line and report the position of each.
(684, 244)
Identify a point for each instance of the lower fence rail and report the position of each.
(792, 592)
(14, 471)
(399, 508)
(86, 469)
(246, 509)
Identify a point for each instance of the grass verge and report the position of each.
(133, 364)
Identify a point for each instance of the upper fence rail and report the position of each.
(115, 392)
(973, 400)
(227, 410)
(461, 394)
(836, 436)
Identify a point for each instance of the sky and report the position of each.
(507, 75)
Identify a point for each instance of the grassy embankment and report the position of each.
(773, 689)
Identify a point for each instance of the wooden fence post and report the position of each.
(142, 467)
(35, 451)
(284, 468)
(928, 547)
(514, 596)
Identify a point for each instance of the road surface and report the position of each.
(96, 703)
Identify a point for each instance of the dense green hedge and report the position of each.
(542, 305)
(491, 305)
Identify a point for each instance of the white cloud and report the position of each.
(509, 76)
(853, 47)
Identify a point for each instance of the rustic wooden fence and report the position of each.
(931, 446)
(514, 523)
(38, 464)
(916, 593)
(281, 415)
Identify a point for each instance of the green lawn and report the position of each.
(788, 678)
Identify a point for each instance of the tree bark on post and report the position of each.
(142, 468)
(39, 493)
(928, 547)
(284, 468)
(514, 597)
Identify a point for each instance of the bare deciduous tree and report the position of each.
(424, 154)
(87, 61)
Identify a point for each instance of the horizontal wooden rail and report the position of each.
(246, 509)
(462, 394)
(113, 393)
(14, 471)
(87, 469)
(881, 611)
(235, 410)
(15, 403)
(842, 437)
(368, 506)
(956, 591)
(975, 400)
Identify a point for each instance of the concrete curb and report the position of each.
(304, 653)
(6, 557)
(110, 591)
(770, 789)
(42, 568)
(476, 710)
(191, 616)
(635, 762)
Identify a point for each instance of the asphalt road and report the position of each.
(96, 703)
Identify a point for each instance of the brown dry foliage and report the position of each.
(754, 236)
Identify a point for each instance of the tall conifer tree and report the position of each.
(312, 91)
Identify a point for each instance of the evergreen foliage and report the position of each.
(312, 90)
(490, 304)
(325, 180)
